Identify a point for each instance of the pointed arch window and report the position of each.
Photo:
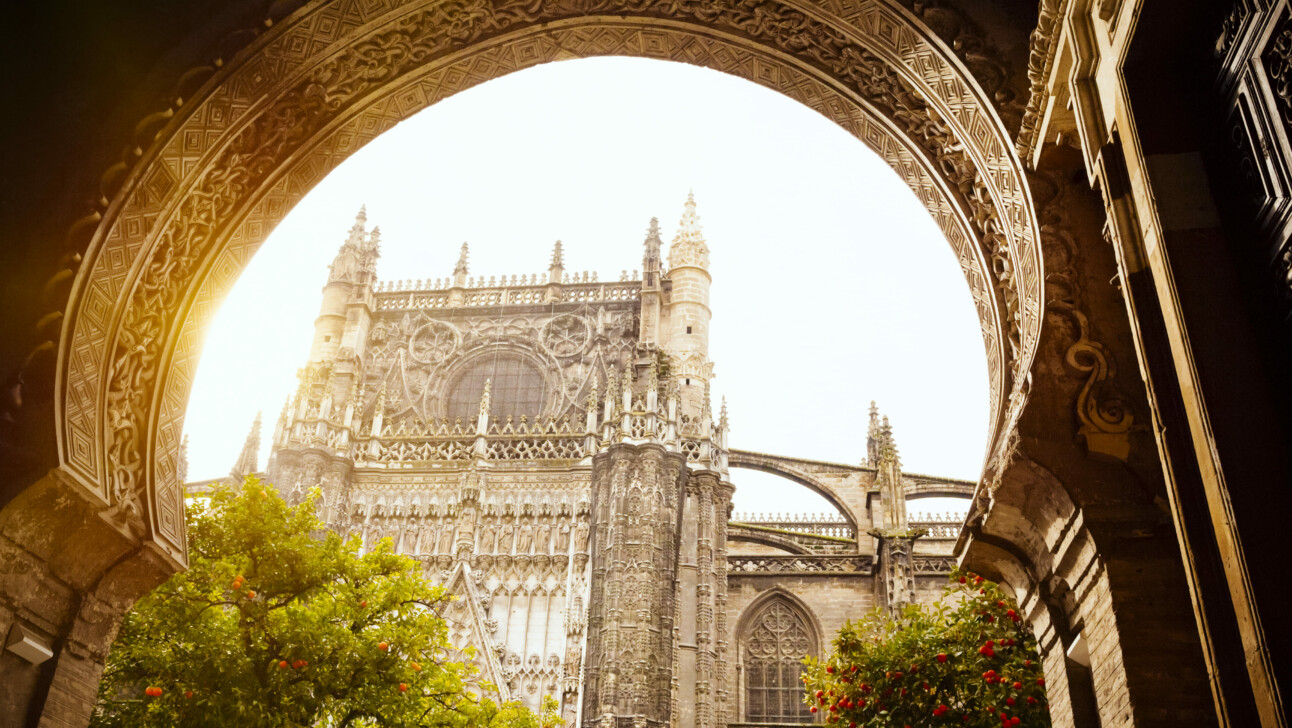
(776, 641)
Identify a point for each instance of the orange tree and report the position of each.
(279, 622)
(968, 660)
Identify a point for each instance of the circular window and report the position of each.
(516, 388)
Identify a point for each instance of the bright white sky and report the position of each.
(831, 284)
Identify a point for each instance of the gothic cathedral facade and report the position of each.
(546, 447)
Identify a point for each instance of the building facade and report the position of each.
(546, 447)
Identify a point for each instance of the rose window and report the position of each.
(515, 389)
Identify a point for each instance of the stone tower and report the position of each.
(688, 313)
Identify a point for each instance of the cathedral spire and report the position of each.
(888, 445)
(349, 259)
(360, 224)
(460, 270)
(872, 437)
(888, 478)
(651, 257)
(688, 245)
(556, 271)
(249, 459)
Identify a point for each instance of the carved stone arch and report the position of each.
(882, 74)
(207, 179)
(773, 616)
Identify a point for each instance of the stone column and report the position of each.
(702, 595)
(636, 501)
(724, 656)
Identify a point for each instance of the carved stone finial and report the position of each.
(688, 245)
(653, 242)
(873, 437)
(352, 397)
(349, 259)
(486, 398)
(369, 252)
(558, 256)
(249, 459)
(722, 415)
(461, 268)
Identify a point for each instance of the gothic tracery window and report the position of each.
(516, 388)
(775, 645)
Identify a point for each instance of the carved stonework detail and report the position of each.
(146, 362)
(775, 645)
(895, 579)
(566, 335)
(636, 492)
(1246, 163)
(1040, 58)
(1105, 419)
(816, 564)
(1278, 67)
(434, 342)
(1231, 27)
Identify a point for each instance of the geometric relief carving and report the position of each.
(1277, 60)
(434, 342)
(566, 335)
(1246, 159)
(256, 159)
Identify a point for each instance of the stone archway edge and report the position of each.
(241, 138)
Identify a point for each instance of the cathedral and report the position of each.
(546, 447)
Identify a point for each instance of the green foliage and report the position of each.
(279, 622)
(968, 660)
(549, 715)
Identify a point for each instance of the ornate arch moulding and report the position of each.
(316, 87)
